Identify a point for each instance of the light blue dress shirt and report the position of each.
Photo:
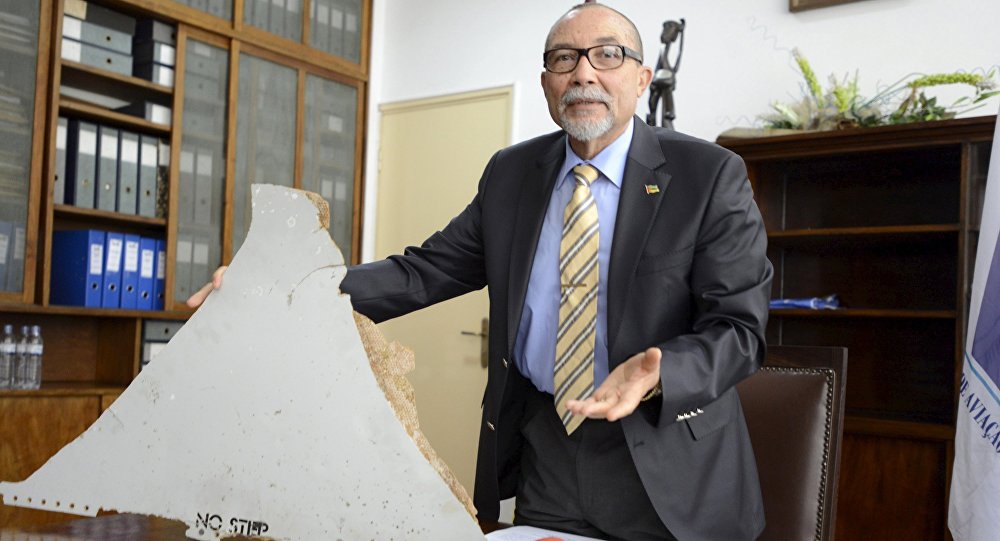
(535, 344)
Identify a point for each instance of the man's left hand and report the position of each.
(621, 393)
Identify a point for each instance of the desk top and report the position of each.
(123, 527)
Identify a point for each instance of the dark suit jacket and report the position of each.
(688, 273)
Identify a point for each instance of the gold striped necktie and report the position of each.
(578, 271)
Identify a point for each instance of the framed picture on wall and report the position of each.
(802, 5)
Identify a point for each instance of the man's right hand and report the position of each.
(199, 297)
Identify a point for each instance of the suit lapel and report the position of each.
(636, 211)
(536, 191)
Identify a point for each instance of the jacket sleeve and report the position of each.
(449, 263)
(730, 283)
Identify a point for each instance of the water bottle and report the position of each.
(8, 352)
(33, 379)
(21, 360)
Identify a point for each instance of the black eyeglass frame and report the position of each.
(585, 52)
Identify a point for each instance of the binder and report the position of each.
(156, 73)
(160, 278)
(107, 168)
(146, 189)
(147, 110)
(5, 249)
(130, 273)
(147, 273)
(352, 37)
(259, 13)
(217, 8)
(336, 45)
(81, 163)
(97, 57)
(153, 30)
(185, 188)
(15, 266)
(321, 30)
(77, 268)
(128, 173)
(276, 22)
(203, 188)
(94, 34)
(59, 182)
(155, 335)
(182, 275)
(200, 271)
(156, 52)
(293, 21)
(111, 292)
(162, 178)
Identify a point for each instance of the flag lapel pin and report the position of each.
(652, 188)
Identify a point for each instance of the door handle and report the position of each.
(484, 341)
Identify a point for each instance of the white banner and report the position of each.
(974, 513)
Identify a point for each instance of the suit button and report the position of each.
(490, 426)
(504, 361)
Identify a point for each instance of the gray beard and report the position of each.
(585, 130)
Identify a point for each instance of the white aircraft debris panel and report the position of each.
(262, 416)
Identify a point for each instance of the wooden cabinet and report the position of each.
(887, 219)
(261, 91)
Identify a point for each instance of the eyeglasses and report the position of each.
(602, 57)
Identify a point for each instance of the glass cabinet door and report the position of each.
(335, 27)
(18, 62)
(328, 153)
(220, 8)
(280, 17)
(265, 134)
(202, 167)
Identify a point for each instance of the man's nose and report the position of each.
(584, 72)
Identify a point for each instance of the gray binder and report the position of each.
(293, 20)
(97, 57)
(162, 178)
(107, 168)
(154, 51)
(276, 22)
(185, 188)
(153, 30)
(200, 271)
(260, 12)
(182, 276)
(81, 163)
(336, 45)
(321, 26)
(59, 182)
(15, 267)
(147, 176)
(93, 34)
(203, 188)
(128, 173)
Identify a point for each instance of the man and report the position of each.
(675, 269)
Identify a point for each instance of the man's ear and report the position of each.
(645, 77)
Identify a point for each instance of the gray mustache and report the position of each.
(587, 94)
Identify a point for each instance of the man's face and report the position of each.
(593, 105)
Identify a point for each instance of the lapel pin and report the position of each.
(652, 188)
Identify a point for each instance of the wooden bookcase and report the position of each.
(888, 219)
(91, 354)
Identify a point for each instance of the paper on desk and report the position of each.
(530, 533)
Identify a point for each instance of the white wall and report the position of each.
(736, 54)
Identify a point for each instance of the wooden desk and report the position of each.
(125, 527)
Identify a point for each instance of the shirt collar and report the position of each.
(610, 161)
